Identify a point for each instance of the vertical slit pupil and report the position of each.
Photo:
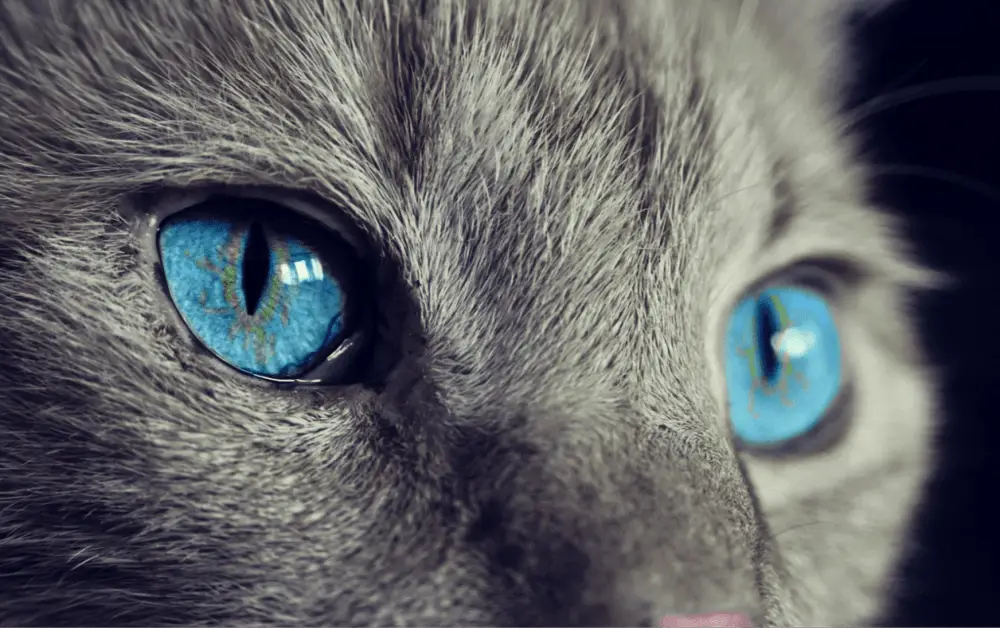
(256, 267)
(767, 326)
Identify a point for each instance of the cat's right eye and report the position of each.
(783, 366)
(267, 291)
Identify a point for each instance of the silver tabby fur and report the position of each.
(567, 198)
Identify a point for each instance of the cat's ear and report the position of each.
(816, 34)
(818, 12)
(865, 6)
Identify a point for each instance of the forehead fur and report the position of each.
(442, 127)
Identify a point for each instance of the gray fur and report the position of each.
(568, 197)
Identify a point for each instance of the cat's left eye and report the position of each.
(268, 292)
(783, 366)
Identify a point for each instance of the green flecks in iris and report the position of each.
(252, 328)
(787, 370)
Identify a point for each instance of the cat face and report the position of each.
(547, 214)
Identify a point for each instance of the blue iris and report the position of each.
(783, 367)
(262, 298)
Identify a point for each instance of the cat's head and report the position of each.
(570, 238)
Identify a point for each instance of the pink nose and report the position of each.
(715, 620)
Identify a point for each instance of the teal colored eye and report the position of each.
(783, 365)
(264, 291)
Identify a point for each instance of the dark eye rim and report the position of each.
(826, 277)
(335, 365)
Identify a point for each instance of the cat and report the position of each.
(553, 208)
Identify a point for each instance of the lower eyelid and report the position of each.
(828, 433)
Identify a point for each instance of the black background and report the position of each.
(937, 154)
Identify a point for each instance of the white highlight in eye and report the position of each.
(300, 271)
(793, 342)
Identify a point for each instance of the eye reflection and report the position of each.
(300, 271)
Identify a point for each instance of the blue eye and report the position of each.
(264, 292)
(783, 367)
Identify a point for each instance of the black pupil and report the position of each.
(767, 326)
(256, 264)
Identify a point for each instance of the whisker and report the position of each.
(937, 174)
(944, 87)
(799, 526)
(806, 524)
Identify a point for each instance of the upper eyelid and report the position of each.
(828, 276)
(146, 212)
